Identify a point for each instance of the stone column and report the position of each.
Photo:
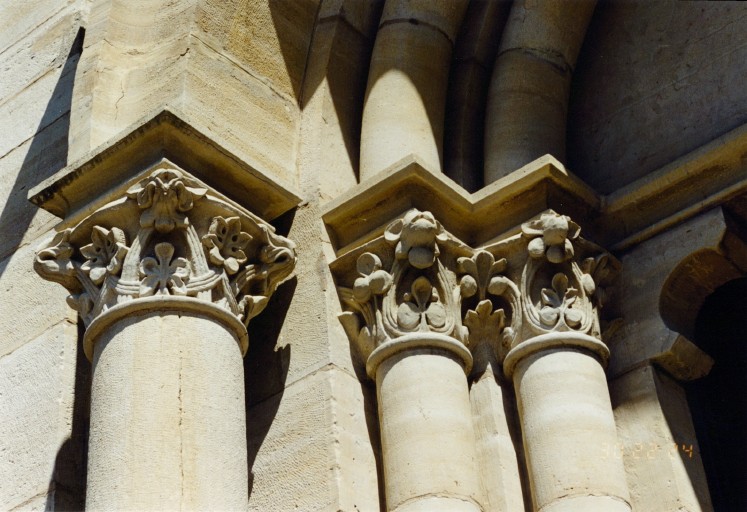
(406, 323)
(527, 107)
(405, 104)
(426, 430)
(166, 277)
(557, 366)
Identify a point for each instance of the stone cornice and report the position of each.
(363, 213)
(694, 183)
(85, 185)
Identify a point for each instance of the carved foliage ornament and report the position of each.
(562, 283)
(184, 241)
(421, 279)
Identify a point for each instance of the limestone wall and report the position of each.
(40, 47)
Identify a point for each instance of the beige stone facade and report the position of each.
(373, 255)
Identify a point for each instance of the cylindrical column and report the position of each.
(529, 90)
(403, 113)
(567, 421)
(168, 424)
(427, 435)
(497, 455)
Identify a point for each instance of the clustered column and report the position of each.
(421, 301)
(166, 278)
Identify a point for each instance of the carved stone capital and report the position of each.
(418, 286)
(564, 278)
(419, 278)
(168, 235)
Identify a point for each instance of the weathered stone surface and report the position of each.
(21, 169)
(315, 438)
(243, 110)
(270, 38)
(28, 305)
(26, 18)
(35, 107)
(334, 88)
(664, 68)
(36, 419)
(656, 440)
(41, 51)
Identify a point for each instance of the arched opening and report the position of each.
(718, 402)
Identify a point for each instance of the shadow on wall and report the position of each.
(347, 54)
(68, 481)
(265, 371)
(47, 152)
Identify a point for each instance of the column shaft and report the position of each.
(426, 432)
(567, 422)
(168, 425)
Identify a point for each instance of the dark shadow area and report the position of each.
(47, 152)
(70, 470)
(340, 51)
(466, 99)
(371, 409)
(265, 371)
(718, 402)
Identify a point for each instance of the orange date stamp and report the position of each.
(648, 451)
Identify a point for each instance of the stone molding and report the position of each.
(168, 235)
(86, 184)
(419, 281)
(689, 186)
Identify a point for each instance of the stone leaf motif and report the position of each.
(483, 323)
(416, 237)
(161, 274)
(557, 304)
(551, 237)
(165, 196)
(373, 280)
(254, 284)
(482, 277)
(421, 307)
(597, 273)
(226, 243)
(365, 299)
(105, 254)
